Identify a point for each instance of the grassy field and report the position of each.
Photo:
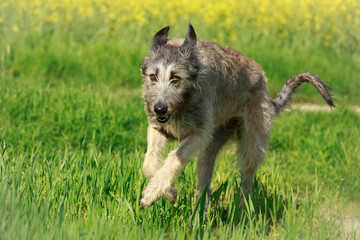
(73, 127)
(70, 165)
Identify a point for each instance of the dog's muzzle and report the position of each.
(163, 119)
(161, 110)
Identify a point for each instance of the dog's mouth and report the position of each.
(163, 119)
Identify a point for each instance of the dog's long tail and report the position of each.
(290, 87)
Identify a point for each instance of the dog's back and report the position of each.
(228, 77)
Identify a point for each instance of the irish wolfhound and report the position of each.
(201, 94)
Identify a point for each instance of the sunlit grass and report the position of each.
(70, 167)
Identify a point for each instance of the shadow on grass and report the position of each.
(226, 207)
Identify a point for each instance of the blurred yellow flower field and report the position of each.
(333, 22)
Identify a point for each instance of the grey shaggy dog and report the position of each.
(201, 94)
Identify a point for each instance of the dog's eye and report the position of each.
(153, 77)
(174, 79)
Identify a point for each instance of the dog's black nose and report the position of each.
(160, 109)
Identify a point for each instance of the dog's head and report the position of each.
(169, 74)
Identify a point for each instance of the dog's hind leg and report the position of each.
(253, 137)
(206, 159)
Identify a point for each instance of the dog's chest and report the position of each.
(175, 130)
(172, 130)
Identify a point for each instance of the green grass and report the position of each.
(48, 59)
(73, 138)
(70, 167)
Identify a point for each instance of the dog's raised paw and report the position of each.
(145, 203)
(147, 199)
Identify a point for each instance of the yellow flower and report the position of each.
(338, 18)
(15, 28)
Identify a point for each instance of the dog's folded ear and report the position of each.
(190, 40)
(159, 39)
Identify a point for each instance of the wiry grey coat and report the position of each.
(201, 94)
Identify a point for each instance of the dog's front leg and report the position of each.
(156, 143)
(161, 184)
